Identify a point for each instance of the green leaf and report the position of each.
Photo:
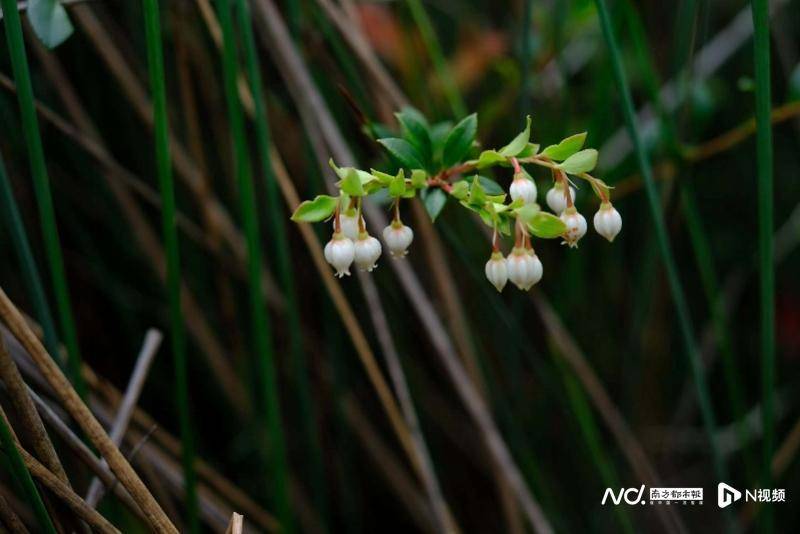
(419, 178)
(580, 162)
(528, 212)
(434, 201)
(459, 140)
(403, 151)
(49, 21)
(519, 143)
(351, 183)
(382, 177)
(460, 189)
(489, 186)
(490, 158)
(398, 185)
(546, 225)
(565, 148)
(416, 131)
(315, 210)
(530, 150)
(477, 195)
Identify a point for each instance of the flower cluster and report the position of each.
(436, 167)
(351, 243)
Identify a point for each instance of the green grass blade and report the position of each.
(705, 265)
(30, 272)
(260, 322)
(697, 233)
(765, 239)
(526, 53)
(423, 22)
(676, 288)
(591, 434)
(23, 476)
(41, 183)
(281, 251)
(155, 61)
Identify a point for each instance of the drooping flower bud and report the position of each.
(607, 221)
(524, 268)
(524, 188)
(556, 199)
(348, 224)
(367, 251)
(496, 270)
(398, 237)
(339, 252)
(576, 226)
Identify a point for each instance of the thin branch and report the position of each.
(307, 97)
(61, 490)
(80, 412)
(152, 342)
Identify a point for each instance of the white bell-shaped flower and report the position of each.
(607, 221)
(576, 226)
(524, 268)
(398, 237)
(556, 199)
(367, 252)
(496, 270)
(340, 252)
(524, 188)
(348, 224)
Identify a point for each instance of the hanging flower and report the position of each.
(348, 224)
(524, 268)
(340, 252)
(398, 237)
(607, 221)
(496, 270)
(367, 251)
(576, 226)
(556, 199)
(524, 188)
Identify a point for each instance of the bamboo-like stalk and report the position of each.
(26, 410)
(676, 288)
(83, 416)
(23, 476)
(261, 330)
(761, 47)
(41, 182)
(283, 261)
(443, 71)
(155, 61)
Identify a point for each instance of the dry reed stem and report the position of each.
(186, 168)
(60, 489)
(10, 518)
(29, 417)
(149, 242)
(389, 466)
(236, 524)
(312, 104)
(444, 519)
(346, 314)
(83, 416)
(152, 342)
